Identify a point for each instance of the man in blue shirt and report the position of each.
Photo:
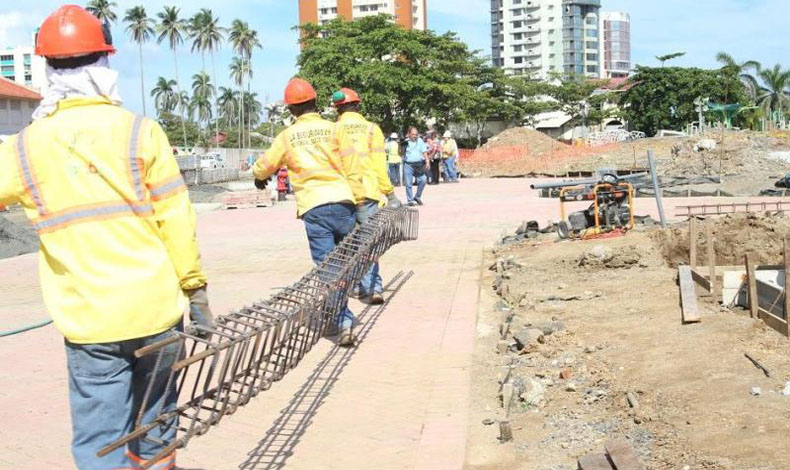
(416, 166)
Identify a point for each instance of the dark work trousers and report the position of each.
(435, 164)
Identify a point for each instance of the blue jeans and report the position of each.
(326, 226)
(107, 384)
(450, 172)
(408, 176)
(394, 173)
(371, 280)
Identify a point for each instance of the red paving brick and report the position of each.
(400, 401)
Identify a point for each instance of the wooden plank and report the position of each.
(701, 281)
(693, 243)
(594, 462)
(787, 287)
(773, 321)
(720, 270)
(622, 455)
(688, 297)
(711, 242)
(751, 282)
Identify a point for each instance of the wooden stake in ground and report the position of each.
(787, 287)
(505, 431)
(692, 242)
(710, 241)
(754, 303)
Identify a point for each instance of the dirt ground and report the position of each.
(747, 162)
(609, 326)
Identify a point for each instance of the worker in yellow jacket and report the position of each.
(119, 260)
(364, 142)
(324, 182)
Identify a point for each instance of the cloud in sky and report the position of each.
(748, 29)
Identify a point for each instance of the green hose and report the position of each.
(25, 328)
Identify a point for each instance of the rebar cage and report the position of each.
(217, 370)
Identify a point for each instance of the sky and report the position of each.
(747, 29)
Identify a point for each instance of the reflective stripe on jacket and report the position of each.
(316, 170)
(360, 137)
(393, 152)
(117, 230)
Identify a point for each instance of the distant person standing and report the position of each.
(449, 157)
(394, 159)
(415, 158)
(434, 157)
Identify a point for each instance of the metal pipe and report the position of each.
(584, 182)
(659, 201)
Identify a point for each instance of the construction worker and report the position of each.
(394, 159)
(449, 157)
(415, 158)
(357, 136)
(322, 182)
(119, 257)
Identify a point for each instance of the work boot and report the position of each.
(347, 338)
(331, 329)
(372, 299)
(418, 200)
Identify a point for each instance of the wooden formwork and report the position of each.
(765, 301)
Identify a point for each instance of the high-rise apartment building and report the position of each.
(616, 28)
(539, 38)
(21, 65)
(411, 14)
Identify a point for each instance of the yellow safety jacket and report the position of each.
(117, 231)
(363, 141)
(316, 170)
(393, 152)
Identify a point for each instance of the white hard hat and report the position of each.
(394, 135)
(447, 134)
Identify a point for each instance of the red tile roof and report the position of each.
(9, 89)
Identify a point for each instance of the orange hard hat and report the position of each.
(345, 96)
(72, 31)
(299, 91)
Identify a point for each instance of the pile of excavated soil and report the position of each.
(534, 142)
(741, 154)
(734, 234)
(16, 240)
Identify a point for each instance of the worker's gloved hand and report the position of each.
(261, 184)
(199, 311)
(393, 201)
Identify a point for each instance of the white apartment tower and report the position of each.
(616, 42)
(539, 38)
(21, 65)
(411, 14)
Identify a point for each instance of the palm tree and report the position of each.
(244, 41)
(253, 108)
(202, 91)
(772, 96)
(103, 10)
(183, 102)
(239, 69)
(140, 27)
(207, 36)
(165, 95)
(674, 55)
(172, 28)
(228, 103)
(742, 70)
(201, 105)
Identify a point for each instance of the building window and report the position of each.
(517, 48)
(518, 60)
(6, 58)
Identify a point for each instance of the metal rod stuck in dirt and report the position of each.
(659, 200)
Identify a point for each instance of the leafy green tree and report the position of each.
(104, 10)
(404, 77)
(165, 95)
(663, 98)
(140, 28)
(173, 28)
(772, 96)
